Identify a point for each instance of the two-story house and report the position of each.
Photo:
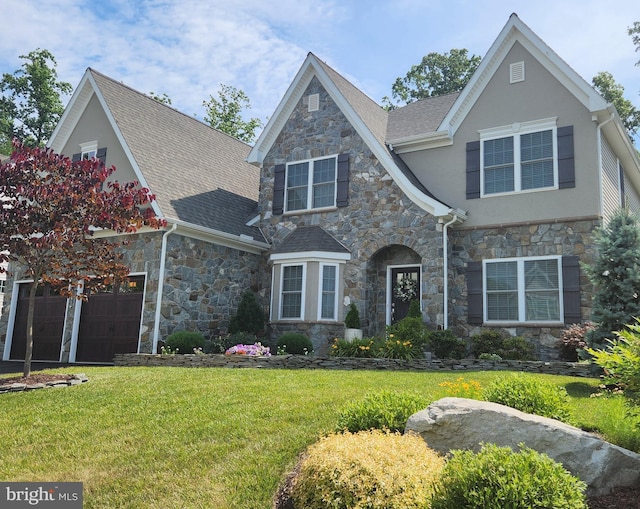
(487, 199)
(481, 204)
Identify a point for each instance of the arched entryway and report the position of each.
(394, 280)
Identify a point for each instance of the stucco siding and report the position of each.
(540, 96)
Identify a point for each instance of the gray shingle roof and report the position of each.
(419, 117)
(198, 174)
(310, 238)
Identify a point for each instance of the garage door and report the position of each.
(48, 324)
(110, 322)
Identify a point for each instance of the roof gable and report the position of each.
(515, 31)
(180, 159)
(368, 119)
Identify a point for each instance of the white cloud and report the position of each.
(186, 48)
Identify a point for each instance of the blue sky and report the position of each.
(187, 48)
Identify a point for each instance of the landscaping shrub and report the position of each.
(381, 410)
(393, 348)
(409, 329)
(462, 388)
(531, 395)
(574, 340)
(370, 469)
(445, 345)
(295, 343)
(352, 320)
(249, 317)
(414, 310)
(184, 342)
(488, 341)
(497, 478)
(495, 342)
(365, 347)
(621, 363)
(517, 348)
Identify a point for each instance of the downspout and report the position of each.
(163, 256)
(600, 169)
(445, 258)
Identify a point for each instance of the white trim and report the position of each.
(310, 256)
(302, 296)
(161, 277)
(321, 291)
(520, 261)
(310, 184)
(516, 131)
(75, 326)
(516, 72)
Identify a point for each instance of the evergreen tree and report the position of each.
(249, 318)
(615, 275)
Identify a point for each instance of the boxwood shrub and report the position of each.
(184, 342)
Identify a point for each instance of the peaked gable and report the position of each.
(199, 175)
(368, 119)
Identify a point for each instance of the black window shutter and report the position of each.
(571, 289)
(473, 170)
(342, 194)
(101, 154)
(278, 189)
(566, 163)
(474, 293)
(76, 157)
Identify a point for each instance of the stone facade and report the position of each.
(202, 289)
(380, 226)
(563, 238)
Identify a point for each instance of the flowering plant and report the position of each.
(406, 289)
(255, 350)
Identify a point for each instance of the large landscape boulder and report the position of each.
(458, 423)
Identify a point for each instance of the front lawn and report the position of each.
(209, 437)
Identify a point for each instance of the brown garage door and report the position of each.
(110, 322)
(48, 324)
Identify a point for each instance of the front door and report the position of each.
(405, 288)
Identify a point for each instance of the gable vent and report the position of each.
(516, 72)
(314, 102)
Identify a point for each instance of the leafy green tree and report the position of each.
(613, 93)
(225, 114)
(164, 98)
(437, 74)
(30, 105)
(249, 318)
(615, 275)
(634, 32)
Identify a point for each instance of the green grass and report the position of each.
(208, 438)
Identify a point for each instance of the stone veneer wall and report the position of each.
(353, 363)
(565, 238)
(377, 217)
(203, 285)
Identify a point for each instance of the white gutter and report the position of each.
(600, 169)
(163, 257)
(445, 257)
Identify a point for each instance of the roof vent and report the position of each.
(314, 102)
(516, 72)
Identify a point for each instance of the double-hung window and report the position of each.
(292, 292)
(311, 184)
(523, 290)
(521, 157)
(327, 302)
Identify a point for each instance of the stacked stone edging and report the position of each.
(353, 363)
(18, 386)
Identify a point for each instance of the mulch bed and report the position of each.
(620, 498)
(39, 381)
